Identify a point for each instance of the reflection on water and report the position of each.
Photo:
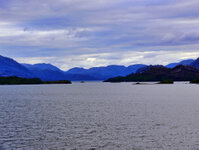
(100, 116)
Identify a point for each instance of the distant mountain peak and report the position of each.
(183, 62)
(42, 66)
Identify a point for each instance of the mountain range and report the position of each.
(101, 73)
(48, 72)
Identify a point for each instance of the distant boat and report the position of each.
(82, 82)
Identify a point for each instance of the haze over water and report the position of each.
(99, 116)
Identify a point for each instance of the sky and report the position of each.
(88, 33)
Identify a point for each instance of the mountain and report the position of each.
(195, 63)
(46, 72)
(9, 67)
(76, 70)
(159, 73)
(184, 62)
(102, 73)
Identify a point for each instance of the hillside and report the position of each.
(9, 67)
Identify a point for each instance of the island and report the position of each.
(13, 80)
(166, 82)
(196, 81)
(160, 74)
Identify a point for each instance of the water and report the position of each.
(101, 116)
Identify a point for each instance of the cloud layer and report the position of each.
(88, 33)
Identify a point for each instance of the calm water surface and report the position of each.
(101, 116)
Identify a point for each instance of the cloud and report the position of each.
(84, 28)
